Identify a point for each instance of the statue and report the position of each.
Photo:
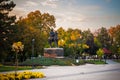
(53, 37)
(53, 52)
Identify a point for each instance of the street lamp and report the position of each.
(33, 41)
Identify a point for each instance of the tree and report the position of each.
(17, 47)
(97, 42)
(35, 26)
(6, 27)
(114, 33)
(104, 37)
(75, 35)
(61, 33)
(61, 43)
(68, 36)
(100, 53)
(42, 21)
(88, 38)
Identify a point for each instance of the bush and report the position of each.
(46, 62)
(81, 62)
(55, 61)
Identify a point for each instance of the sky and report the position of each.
(81, 14)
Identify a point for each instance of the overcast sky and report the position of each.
(82, 14)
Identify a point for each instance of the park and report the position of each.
(36, 45)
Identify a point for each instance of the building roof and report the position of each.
(106, 51)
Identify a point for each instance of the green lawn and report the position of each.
(117, 60)
(12, 68)
(95, 61)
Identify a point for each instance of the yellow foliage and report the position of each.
(32, 29)
(61, 42)
(72, 45)
(66, 39)
(73, 37)
(85, 46)
(17, 46)
(79, 45)
(82, 46)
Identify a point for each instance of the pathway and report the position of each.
(84, 72)
(111, 62)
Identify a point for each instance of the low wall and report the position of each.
(53, 52)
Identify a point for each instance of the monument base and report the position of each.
(53, 52)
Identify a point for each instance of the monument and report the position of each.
(53, 37)
(53, 51)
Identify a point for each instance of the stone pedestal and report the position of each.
(53, 52)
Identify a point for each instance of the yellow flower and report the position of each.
(22, 75)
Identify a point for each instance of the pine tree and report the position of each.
(6, 26)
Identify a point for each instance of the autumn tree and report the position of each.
(35, 26)
(68, 36)
(75, 35)
(6, 27)
(115, 39)
(68, 50)
(72, 39)
(61, 33)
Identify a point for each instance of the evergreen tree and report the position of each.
(6, 26)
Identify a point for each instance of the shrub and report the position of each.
(45, 62)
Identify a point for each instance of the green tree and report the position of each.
(100, 53)
(97, 43)
(88, 38)
(6, 27)
(104, 37)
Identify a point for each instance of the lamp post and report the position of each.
(33, 41)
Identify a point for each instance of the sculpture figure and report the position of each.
(53, 37)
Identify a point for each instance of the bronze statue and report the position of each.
(53, 37)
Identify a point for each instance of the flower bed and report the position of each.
(21, 75)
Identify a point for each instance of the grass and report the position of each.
(95, 61)
(12, 68)
(117, 60)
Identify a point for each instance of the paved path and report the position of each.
(111, 62)
(84, 72)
